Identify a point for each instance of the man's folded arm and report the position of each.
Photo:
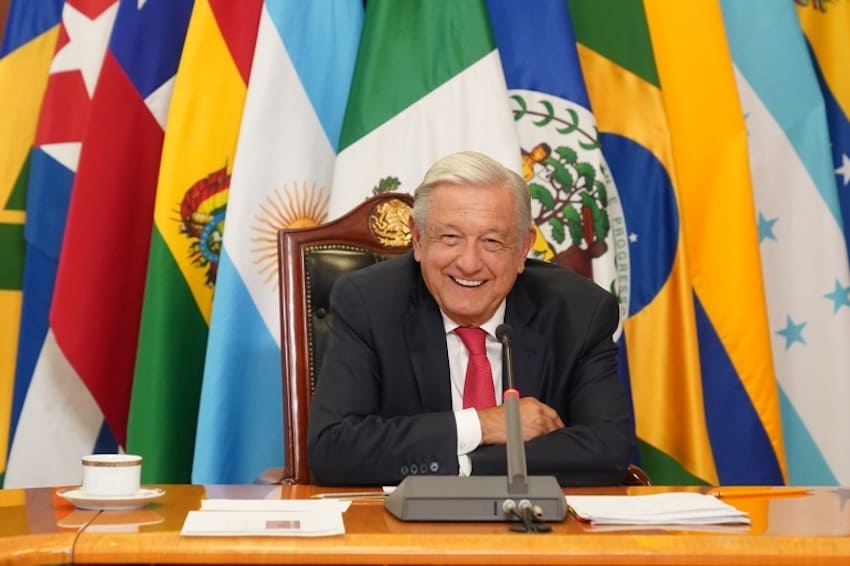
(581, 455)
(373, 450)
(351, 439)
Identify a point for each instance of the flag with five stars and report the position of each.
(827, 26)
(29, 41)
(798, 209)
(50, 401)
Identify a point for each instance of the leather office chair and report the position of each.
(310, 260)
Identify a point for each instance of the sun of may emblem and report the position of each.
(292, 206)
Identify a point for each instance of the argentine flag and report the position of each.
(282, 176)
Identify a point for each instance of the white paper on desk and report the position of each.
(263, 523)
(656, 509)
(294, 505)
(688, 528)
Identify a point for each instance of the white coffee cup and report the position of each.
(111, 475)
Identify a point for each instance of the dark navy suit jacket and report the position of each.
(383, 409)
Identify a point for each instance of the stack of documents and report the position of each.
(657, 509)
(266, 517)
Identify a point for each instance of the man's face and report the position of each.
(470, 252)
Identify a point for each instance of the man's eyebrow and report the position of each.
(441, 226)
(488, 233)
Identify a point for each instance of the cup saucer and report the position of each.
(82, 500)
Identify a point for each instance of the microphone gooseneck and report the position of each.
(514, 446)
(503, 335)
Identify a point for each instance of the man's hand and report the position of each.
(536, 419)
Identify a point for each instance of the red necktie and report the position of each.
(478, 387)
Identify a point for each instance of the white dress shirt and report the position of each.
(468, 425)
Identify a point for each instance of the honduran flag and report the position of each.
(29, 40)
(284, 164)
(827, 26)
(798, 207)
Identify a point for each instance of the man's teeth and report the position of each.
(467, 282)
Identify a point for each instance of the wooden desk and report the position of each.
(808, 529)
(34, 529)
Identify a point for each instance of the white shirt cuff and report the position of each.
(468, 438)
(464, 466)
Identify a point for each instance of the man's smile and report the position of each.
(467, 282)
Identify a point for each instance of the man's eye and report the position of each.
(492, 245)
(450, 239)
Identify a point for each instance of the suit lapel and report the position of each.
(528, 344)
(428, 354)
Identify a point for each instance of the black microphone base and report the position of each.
(476, 498)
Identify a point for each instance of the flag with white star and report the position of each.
(806, 275)
(102, 137)
(827, 27)
(101, 276)
(670, 421)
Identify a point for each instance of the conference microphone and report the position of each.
(514, 446)
(485, 498)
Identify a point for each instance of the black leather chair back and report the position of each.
(325, 264)
(310, 261)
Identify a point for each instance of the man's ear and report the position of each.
(416, 238)
(526, 247)
(529, 241)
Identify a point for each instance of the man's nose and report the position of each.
(469, 258)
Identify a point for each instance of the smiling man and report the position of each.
(408, 383)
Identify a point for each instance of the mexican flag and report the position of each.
(427, 82)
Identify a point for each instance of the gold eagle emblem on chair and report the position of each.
(389, 223)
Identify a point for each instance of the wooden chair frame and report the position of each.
(378, 226)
